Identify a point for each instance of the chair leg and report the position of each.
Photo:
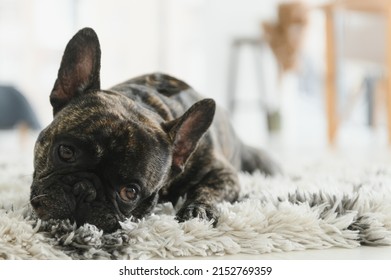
(330, 90)
(232, 75)
(388, 75)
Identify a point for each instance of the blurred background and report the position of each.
(298, 78)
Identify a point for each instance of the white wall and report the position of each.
(34, 34)
(187, 38)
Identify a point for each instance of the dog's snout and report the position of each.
(36, 202)
(84, 191)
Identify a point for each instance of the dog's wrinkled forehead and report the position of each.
(105, 121)
(101, 112)
(91, 111)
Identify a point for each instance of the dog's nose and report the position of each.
(84, 191)
(37, 206)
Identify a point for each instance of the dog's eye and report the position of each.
(128, 193)
(66, 153)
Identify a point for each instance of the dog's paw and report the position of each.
(197, 210)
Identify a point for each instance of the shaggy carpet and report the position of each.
(314, 208)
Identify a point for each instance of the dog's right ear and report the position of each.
(186, 131)
(79, 70)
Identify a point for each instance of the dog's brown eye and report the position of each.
(128, 194)
(66, 153)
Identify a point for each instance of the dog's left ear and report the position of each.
(79, 70)
(186, 131)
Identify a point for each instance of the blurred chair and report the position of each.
(257, 45)
(284, 37)
(15, 110)
(16, 118)
(238, 44)
(366, 43)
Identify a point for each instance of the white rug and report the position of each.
(317, 207)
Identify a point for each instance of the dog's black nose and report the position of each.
(36, 198)
(84, 191)
(35, 202)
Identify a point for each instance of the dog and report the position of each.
(110, 155)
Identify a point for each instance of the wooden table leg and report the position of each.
(388, 73)
(330, 84)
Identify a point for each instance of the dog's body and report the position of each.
(109, 155)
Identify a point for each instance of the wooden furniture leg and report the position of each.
(388, 73)
(330, 86)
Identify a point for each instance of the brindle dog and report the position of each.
(113, 154)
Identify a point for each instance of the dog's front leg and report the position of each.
(220, 184)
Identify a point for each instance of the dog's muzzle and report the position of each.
(77, 197)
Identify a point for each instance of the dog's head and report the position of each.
(105, 157)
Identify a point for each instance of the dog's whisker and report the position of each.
(38, 196)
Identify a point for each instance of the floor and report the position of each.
(362, 253)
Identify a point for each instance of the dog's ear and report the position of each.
(186, 131)
(79, 70)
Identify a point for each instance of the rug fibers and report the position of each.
(317, 207)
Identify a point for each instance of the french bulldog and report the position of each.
(109, 155)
